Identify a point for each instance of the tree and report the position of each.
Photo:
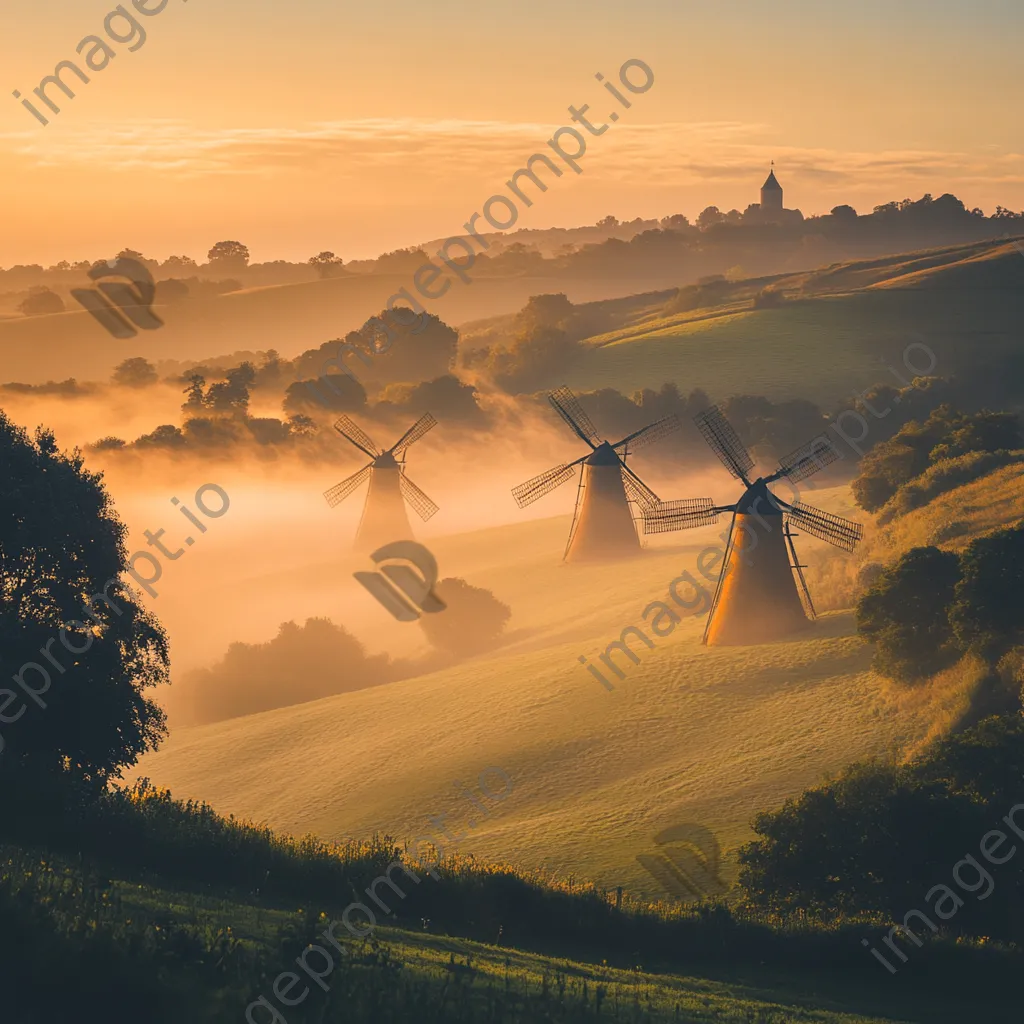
(229, 257)
(844, 213)
(41, 301)
(708, 216)
(179, 264)
(988, 609)
(325, 263)
(135, 373)
(194, 391)
(232, 394)
(906, 612)
(472, 621)
(62, 553)
(982, 432)
(171, 290)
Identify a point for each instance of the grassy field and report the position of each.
(710, 736)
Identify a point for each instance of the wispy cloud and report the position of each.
(665, 154)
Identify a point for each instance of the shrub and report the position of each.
(41, 301)
(942, 477)
(987, 615)
(301, 663)
(472, 622)
(881, 835)
(906, 613)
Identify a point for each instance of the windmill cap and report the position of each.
(604, 455)
(757, 500)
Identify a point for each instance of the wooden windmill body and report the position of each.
(603, 526)
(757, 599)
(384, 517)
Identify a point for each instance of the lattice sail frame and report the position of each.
(840, 532)
(685, 514)
(567, 405)
(424, 424)
(421, 504)
(723, 440)
(806, 460)
(528, 492)
(339, 492)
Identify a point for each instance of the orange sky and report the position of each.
(317, 125)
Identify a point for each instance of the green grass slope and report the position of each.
(829, 341)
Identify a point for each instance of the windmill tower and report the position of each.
(756, 599)
(384, 518)
(603, 524)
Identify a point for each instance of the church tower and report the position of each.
(771, 193)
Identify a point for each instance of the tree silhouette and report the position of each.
(906, 613)
(326, 263)
(70, 630)
(135, 373)
(228, 256)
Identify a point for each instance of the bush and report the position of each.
(987, 615)
(41, 301)
(472, 622)
(302, 663)
(942, 477)
(881, 835)
(946, 434)
(906, 613)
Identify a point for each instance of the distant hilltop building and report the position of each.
(770, 209)
(771, 192)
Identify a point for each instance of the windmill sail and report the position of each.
(685, 514)
(725, 442)
(339, 492)
(420, 503)
(825, 526)
(567, 405)
(527, 493)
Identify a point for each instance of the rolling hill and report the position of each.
(836, 334)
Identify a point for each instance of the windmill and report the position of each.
(384, 519)
(756, 599)
(602, 525)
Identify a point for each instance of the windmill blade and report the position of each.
(567, 405)
(425, 423)
(638, 491)
(339, 492)
(652, 432)
(725, 442)
(421, 504)
(685, 514)
(527, 493)
(806, 460)
(355, 434)
(824, 525)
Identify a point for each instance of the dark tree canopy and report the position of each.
(229, 255)
(987, 614)
(906, 613)
(61, 544)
